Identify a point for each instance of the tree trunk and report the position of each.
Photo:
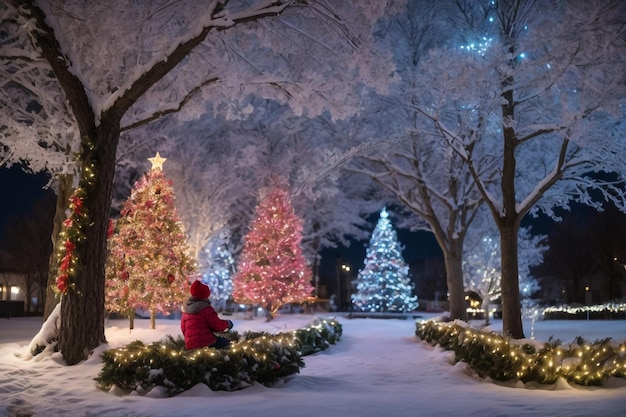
(82, 317)
(62, 204)
(454, 277)
(28, 288)
(153, 319)
(509, 219)
(269, 312)
(486, 304)
(511, 306)
(131, 320)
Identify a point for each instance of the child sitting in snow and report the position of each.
(200, 320)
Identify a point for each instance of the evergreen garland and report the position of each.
(493, 355)
(253, 357)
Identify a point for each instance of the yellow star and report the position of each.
(157, 162)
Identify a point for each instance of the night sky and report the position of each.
(18, 192)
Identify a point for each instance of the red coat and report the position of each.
(198, 323)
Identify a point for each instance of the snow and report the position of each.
(378, 368)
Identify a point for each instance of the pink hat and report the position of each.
(199, 290)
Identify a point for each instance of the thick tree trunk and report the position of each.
(153, 319)
(511, 305)
(82, 312)
(64, 191)
(509, 218)
(454, 276)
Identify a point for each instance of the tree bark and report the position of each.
(82, 312)
(511, 305)
(454, 277)
(64, 191)
(508, 221)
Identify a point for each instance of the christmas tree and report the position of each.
(149, 266)
(272, 269)
(218, 273)
(383, 284)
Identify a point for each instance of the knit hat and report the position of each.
(199, 290)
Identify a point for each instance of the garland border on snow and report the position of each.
(254, 357)
(594, 312)
(502, 358)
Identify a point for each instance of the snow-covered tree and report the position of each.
(535, 111)
(220, 164)
(272, 269)
(38, 130)
(482, 264)
(149, 263)
(384, 285)
(431, 182)
(120, 65)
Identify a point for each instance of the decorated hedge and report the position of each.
(501, 358)
(253, 357)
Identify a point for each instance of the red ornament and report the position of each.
(68, 222)
(124, 275)
(77, 204)
(171, 278)
(69, 245)
(61, 282)
(65, 262)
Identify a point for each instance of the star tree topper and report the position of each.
(157, 162)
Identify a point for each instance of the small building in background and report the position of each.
(13, 297)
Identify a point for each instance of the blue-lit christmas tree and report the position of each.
(218, 274)
(383, 285)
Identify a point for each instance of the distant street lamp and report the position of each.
(342, 271)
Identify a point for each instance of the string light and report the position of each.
(582, 363)
(611, 308)
(259, 357)
(273, 270)
(384, 284)
(149, 265)
(73, 231)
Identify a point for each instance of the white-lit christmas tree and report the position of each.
(218, 272)
(384, 285)
(149, 266)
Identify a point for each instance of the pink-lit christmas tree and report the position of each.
(149, 266)
(273, 270)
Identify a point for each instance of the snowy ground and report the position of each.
(377, 369)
